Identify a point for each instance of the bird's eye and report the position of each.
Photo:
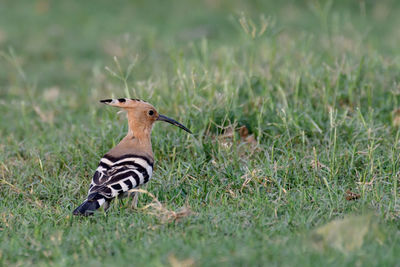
(151, 112)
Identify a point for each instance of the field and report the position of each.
(295, 110)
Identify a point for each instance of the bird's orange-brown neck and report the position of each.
(138, 138)
(139, 135)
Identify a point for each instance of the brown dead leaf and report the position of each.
(245, 137)
(352, 196)
(243, 132)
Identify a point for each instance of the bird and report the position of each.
(130, 163)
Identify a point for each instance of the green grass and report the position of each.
(315, 82)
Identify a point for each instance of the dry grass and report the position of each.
(157, 209)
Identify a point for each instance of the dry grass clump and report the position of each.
(165, 215)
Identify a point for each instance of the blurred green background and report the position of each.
(61, 42)
(314, 83)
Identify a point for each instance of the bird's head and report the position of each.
(141, 115)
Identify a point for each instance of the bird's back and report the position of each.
(122, 168)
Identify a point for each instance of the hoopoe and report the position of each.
(130, 163)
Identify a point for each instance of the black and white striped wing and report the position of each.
(115, 176)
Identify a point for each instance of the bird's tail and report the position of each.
(92, 203)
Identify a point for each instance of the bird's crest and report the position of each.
(123, 102)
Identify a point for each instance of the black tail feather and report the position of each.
(90, 205)
(87, 208)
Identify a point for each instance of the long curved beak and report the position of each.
(174, 122)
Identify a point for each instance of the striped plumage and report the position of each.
(115, 176)
(129, 164)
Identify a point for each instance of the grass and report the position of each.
(315, 83)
